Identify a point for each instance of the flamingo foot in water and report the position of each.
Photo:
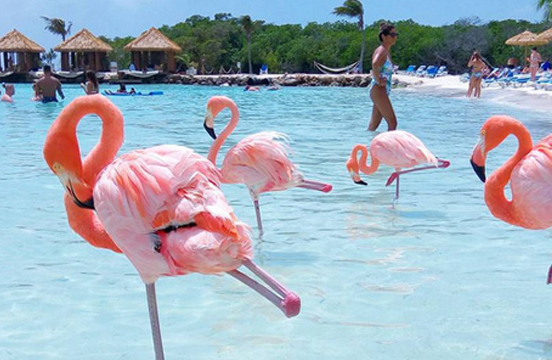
(549, 277)
(315, 185)
(285, 300)
(443, 164)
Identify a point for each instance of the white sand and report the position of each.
(525, 96)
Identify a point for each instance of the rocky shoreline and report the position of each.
(357, 80)
(349, 80)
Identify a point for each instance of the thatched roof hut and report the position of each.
(84, 51)
(153, 49)
(20, 54)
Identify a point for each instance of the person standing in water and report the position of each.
(91, 87)
(48, 85)
(380, 87)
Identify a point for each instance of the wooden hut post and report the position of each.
(171, 64)
(64, 61)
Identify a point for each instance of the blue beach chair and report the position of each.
(421, 70)
(431, 71)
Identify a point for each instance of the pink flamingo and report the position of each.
(529, 172)
(259, 161)
(162, 207)
(398, 149)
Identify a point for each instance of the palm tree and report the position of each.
(547, 6)
(248, 27)
(49, 56)
(354, 9)
(57, 26)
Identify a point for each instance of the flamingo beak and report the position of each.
(478, 162)
(209, 125)
(67, 183)
(479, 170)
(356, 178)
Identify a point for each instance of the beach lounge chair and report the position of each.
(442, 71)
(264, 69)
(431, 71)
(410, 70)
(421, 70)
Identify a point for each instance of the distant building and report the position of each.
(153, 50)
(20, 54)
(84, 51)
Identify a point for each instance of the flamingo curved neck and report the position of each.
(85, 222)
(213, 151)
(368, 170)
(496, 183)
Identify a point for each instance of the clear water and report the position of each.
(435, 277)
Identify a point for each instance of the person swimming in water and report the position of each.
(9, 91)
(48, 85)
(91, 87)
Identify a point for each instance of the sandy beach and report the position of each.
(526, 96)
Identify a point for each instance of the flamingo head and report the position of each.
(214, 106)
(67, 166)
(492, 133)
(353, 170)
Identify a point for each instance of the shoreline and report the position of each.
(523, 97)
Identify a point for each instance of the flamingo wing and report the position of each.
(163, 207)
(261, 162)
(531, 184)
(400, 149)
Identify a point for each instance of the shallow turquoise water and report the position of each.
(435, 277)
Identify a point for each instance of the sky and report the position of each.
(131, 17)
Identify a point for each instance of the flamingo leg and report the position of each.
(397, 188)
(287, 301)
(441, 165)
(257, 210)
(315, 185)
(154, 320)
(258, 213)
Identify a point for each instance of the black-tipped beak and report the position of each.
(87, 204)
(210, 131)
(479, 170)
(361, 182)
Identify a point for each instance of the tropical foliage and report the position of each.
(57, 26)
(49, 56)
(546, 6)
(354, 9)
(222, 42)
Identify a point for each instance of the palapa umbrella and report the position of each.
(545, 35)
(526, 38)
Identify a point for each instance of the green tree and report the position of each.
(354, 9)
(57, 26)
(49, 56)
(545, 5)
(248, 27)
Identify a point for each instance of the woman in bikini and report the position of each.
(478, 67)
(91, 87)
(380, 87)
(534, 63)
